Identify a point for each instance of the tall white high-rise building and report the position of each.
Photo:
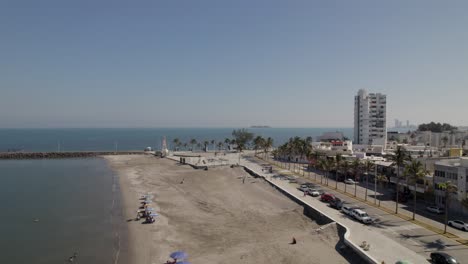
(370, 118)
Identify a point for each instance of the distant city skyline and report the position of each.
(231, 64)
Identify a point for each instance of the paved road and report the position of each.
(414, 237)
(407, 209)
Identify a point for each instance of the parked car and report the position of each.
(349, 181)
(327, 197)
(361, 216)
(303, 188)
(435, 209)
(442, 258)
(313, 192)
(458, 224)
(347, 209)
(337, 203)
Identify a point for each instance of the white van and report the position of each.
(361, 216)
(347, 209)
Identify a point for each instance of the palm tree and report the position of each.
(356, 167)
(258, 143)
(338, 160)
(416, 171)
(205, 145)
(449, 189)
(322, 165)
(213, 143)
(378, 180)
(220, 145)
(193, 142)
(399, 158)
(345, 168)
(176, 142)
(227, 141)
(445, 140)
(368, 166)
(199, 145)
(185, 146)
(268, 144)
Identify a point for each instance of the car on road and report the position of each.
(313, 192)
(327, 197)
(435, 209)
(303, 188)
(337, 203)
(361, 216)
(458, 224)
(349, 181)
(347, 209)
(442, 258)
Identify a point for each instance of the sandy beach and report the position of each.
(215, 217)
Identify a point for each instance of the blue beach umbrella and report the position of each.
(184, 262)
(149, 209)
(153, 214)
(179, 255)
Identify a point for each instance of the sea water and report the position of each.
(110, 139)
(50, 209)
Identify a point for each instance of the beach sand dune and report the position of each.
(216, 218)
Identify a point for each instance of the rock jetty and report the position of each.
(63, 155)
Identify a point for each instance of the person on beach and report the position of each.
(305, 193)
(293, 241)
(181, 182)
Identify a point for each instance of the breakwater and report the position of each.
(64, 155)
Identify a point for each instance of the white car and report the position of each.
(313, 192)
(349, 181)
(303, 188)
(435, 209)
(458, 224)
(361, 216)
(346, 209)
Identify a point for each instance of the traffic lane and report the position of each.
(412, 236)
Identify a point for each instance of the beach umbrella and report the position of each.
(149, 209)
(153, 214)
(183, 262)
(179, 255)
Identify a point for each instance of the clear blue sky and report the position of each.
(229, 63)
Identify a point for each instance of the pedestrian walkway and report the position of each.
(382, 248)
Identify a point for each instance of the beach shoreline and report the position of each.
(213, 213)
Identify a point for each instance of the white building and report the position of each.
(370, 118)
(455, 171)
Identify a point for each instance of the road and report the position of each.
(414, 237)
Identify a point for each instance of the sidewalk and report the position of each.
(389, 207)
(382, 248)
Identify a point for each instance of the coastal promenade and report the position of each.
(382, 248)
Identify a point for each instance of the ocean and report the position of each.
(77, 204)
(110, 139)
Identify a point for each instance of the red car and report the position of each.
(327, 197)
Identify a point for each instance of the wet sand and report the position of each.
(215, 217)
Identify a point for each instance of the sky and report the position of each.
(229, 63)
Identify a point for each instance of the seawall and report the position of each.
(63, 155)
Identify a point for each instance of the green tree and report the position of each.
(205, 145)
(176, 142)
(356, 168)
(368, 166)
(242, 138)
(398, 159)
(345, 168)
(445, 140)
(338, 161)
(268, 144)
(449, 189)
(220, 145)
(193, 142)
(258, 142)
(415, 170)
